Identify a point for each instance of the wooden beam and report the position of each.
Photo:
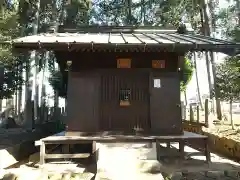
(75, 156)
(42, 153)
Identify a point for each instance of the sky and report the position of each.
(202, 72)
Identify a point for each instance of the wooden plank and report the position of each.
(42, 153)
(68, 142)
(113, 137)
(75, 156)
(207, 152)
(38, 143)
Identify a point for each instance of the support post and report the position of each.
(158, 150)
(183, 111)
(207, 151)
(42, 153)
(181, 148)
(191, 114)
(206, 113)
(198, 116)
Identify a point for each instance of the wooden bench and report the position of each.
(60, 139)
(109, 137)
(186, 139)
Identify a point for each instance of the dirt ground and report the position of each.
(221, 128)
(122, 161)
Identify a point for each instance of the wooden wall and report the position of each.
(84, 92)
(109, 60)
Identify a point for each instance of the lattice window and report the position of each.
(124, 97)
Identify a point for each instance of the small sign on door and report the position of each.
(157, 83)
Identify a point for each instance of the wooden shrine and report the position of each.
(123, 82)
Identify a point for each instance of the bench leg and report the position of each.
(42, 153)
(207, 151)
(181, 148)
(168, 145)
(158, 150)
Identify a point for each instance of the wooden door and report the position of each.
(124, 100)
(83, 101)
(165, 111)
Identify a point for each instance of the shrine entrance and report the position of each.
(124, 100)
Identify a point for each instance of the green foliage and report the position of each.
(228, 76)
(59, 83)
(226, 22)
(234, 61)
(9, 28)
(187, 74)
(227, 79)
(144, 12)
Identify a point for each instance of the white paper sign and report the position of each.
(157, 83)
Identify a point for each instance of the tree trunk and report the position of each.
(19, 99)
(238, 10)
(198, 89)
(55, 19)
(206, 54)
(16, 103)
(185, 96)
(0, 105)
(207, 32)
(34, 63)
(129, 12)
(230, 111)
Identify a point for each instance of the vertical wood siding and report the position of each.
(124, 118)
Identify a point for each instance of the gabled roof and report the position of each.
(151, 40)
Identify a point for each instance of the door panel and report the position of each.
(124, 100)
(165, 111)
(82, 108)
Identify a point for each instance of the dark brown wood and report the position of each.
(198, 115)
(158, 149)
(165, 107)
(168, 144)
(96, 86)
(207, 151)
(116, 117)
(83, 101)
(88, 60)
(171, 153)
(181, 148)
(206, 113)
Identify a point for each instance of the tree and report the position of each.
(227, 80)
(9, 29)
(196, 74)
(187, 74)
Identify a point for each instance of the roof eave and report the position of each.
(229, 49)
